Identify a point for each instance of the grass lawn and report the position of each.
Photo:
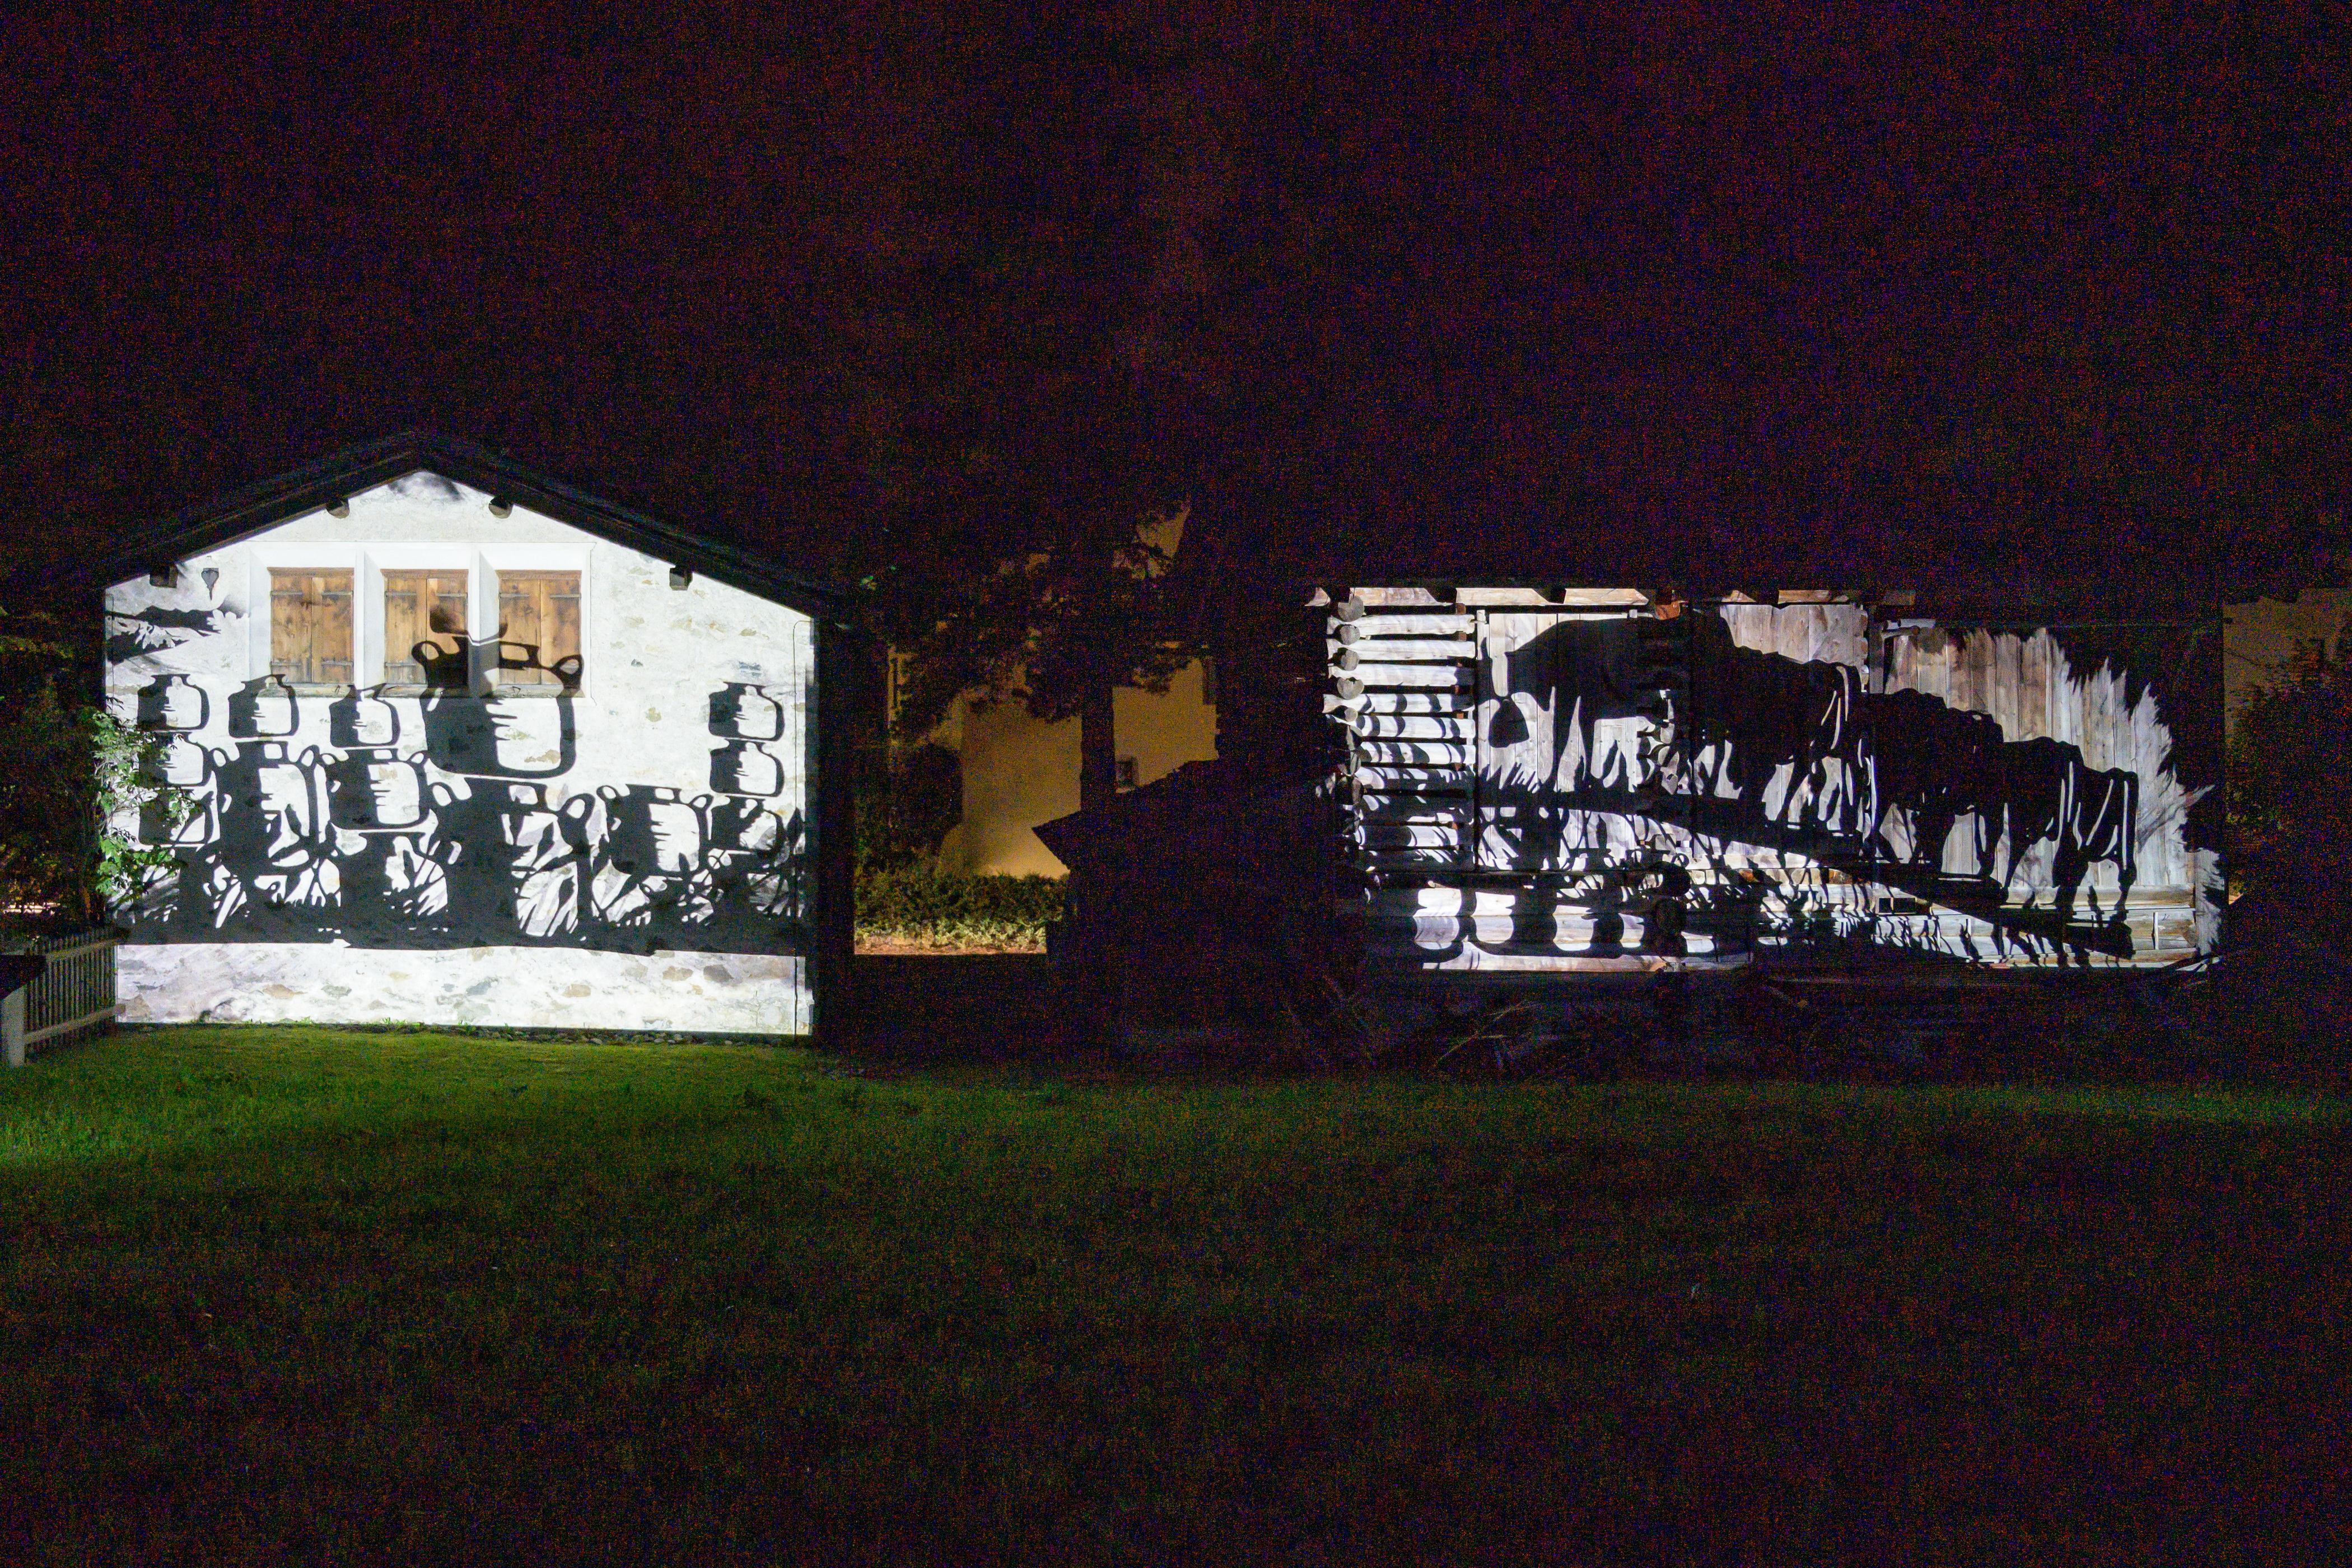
(301, 1294)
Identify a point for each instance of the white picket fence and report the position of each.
(72, 998)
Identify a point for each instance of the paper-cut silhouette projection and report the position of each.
(1609, 749)
(437, 818)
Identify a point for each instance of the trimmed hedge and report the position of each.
(917, 903)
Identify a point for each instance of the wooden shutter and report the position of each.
(310, 627)
(539, 624)
(426, 607)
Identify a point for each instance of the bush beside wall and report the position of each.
(920, 904)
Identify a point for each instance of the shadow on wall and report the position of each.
(434, 821)
(1898, 788)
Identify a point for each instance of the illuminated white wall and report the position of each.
(636, 853)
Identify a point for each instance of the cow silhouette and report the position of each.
(1852, 760)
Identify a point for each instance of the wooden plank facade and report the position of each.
(1580, 780)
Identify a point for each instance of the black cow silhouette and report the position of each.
(1853, 758)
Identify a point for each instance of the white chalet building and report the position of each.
(454, 744)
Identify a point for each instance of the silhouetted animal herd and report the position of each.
(1780, 750)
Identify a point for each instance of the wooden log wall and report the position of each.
(2026, 682)
(1512, 805)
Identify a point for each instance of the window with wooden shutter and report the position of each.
(538, 629)
(424, 628)
(310, 627)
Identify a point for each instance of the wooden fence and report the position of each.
(72, 996)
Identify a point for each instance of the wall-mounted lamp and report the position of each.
(502, 507)
(339, 507)
(163, 577)
(679, 576)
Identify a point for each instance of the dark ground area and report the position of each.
(2257, 1019)
(974, 1007)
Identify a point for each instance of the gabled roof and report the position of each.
(244, 512)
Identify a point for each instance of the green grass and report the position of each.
(295, 1294)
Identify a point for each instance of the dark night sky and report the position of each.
(1977, 290)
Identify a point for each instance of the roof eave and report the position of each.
(263, 505)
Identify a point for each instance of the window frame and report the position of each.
(367, 563)
(267, 594)
(493, 559)
(365, 633)
(378, 567)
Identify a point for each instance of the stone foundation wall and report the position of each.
(497, 987)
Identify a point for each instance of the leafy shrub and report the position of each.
(919, 903)
(2286, 996)
(75, 780)
(2290, 750)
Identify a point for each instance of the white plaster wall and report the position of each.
(549, 812)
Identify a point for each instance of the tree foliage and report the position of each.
(1104, 338)
(2291, 757)
(75, 778)
(908, 799)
